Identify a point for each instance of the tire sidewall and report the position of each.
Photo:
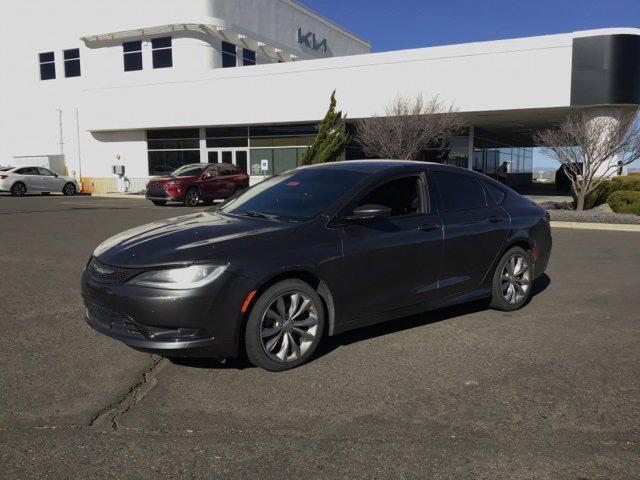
(64, 189)
(253, 344)
(498, 302)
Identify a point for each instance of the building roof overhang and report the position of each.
(216, 27)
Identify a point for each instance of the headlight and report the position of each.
(175, 183)
(180, 278)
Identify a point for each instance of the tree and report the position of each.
(407, 127)
(592, 148)
(331, 140)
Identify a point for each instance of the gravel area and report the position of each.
(563, 212)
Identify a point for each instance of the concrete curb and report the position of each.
(617, 227)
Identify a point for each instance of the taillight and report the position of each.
(548, 215)
(2, 177)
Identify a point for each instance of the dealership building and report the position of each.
(154, 84)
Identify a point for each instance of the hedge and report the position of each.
(625, 201)
(606, 188)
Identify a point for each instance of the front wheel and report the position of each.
(285, 326)
(512, 280)
(192, 198)
(69, 189)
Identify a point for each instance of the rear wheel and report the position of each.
(18, 189)
(512, 280)
(159, 203)
(192, 198)
(69, 189)
(285, 326)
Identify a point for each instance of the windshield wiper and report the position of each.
(251, 213)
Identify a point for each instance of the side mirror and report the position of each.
(55, 175)
(369, 212)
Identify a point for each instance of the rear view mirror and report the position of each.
(368, 212)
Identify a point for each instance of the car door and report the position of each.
(391, 263)
(49, 181)
(31, 178)
(474, 231)
(210, 183)
(229, 179)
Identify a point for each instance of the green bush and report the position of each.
(601, 194)
(625, 201)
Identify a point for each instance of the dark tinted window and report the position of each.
(161, 52)
(248, 57)
(172, 133)
(494, 194)
(241, 160)
(189, 170)
(47, 66)
(226, 132)
(227, 142)
(402, 196)
(72, 62)
(132, 55)
(297, 195)
(27, 171)
(458, 192)
(283, 130)
(228, 55)
(164, 161)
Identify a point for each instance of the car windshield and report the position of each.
(188, 171)
(5, 168)
(298, 195)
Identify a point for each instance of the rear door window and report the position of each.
(458, 192)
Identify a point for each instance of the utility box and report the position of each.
(118, 170)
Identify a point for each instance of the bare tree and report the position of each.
(407, 127)
(590, 148)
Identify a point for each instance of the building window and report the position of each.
(162, 55)
(248, 57)
(132, 55)
(47, 66)
(72, 62)
(228, 55)
(171, 148)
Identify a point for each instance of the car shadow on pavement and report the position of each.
(344, 339)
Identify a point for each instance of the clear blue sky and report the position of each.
(402, 24)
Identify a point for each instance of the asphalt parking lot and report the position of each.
(552, 391)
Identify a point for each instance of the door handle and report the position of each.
(429, 227)
(494, 219)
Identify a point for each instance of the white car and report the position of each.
(22, 180)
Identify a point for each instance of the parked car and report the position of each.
(22, 180)
(201, 181)
(317, 250)
(563, 181)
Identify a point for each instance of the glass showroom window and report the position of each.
(170, 149)
(162, 54)
(132, 55)
(47, 66)
(228, 55)
(248, 57)
(72, 63)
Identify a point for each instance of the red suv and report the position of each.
(200, 181)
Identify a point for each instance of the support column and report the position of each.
(203, 146)
(472, 134)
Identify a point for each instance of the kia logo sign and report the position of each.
(310, 40)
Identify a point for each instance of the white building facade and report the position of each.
(153, 84)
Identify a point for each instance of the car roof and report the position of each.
(369, 166)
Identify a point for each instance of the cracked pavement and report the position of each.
(552, 391)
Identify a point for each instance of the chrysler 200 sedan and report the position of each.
(313, 252)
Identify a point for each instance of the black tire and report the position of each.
(159, 203)
(511, 287)
(69, 189)
(192, 197)
(257, 350)
(18, 189)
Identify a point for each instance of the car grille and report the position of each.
(112, 320)
(108, 275)
(157, 187)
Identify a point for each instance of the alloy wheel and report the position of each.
(516, 279)
(19, 189)
(193, 198)
(289, 326)
(69, 189)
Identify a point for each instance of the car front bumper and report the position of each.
(203, 322)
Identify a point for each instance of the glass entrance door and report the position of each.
(235, 156)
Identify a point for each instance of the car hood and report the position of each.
(202, 236)
(168, 178)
